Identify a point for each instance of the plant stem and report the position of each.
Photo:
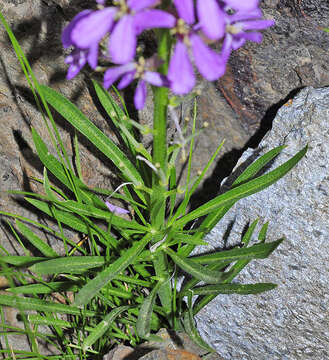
(157, 206)
(159, 183)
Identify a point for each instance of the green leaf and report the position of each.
(221, 265)
(41, 305)
(42, 320)
(58, 170)
(72, 221)
(241, 191)
(93, 286)
(257, 251)
(191, 329)
(195, 269)
(143, 324)
(73, 265)
(102, 327)
(46, 185)
(214, 217)
(110, 106)
(41, 245)
(20, 260)
(131, 280)
(180, 238)
(48, 160)
(92, 211)
(78, 120)
(48, 288)
(262, 233)
(242, 289)
(247, 236)
(258, 165)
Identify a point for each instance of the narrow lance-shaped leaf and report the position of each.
(262, 233)
(92, 211)
(93, 286)
(77, 119)
(20, 260)
(242, 289)
(195, 269)
(42, 320)
(48, 288)
(102, 327)
(73, 264)
(244, 190)
(58, 170)
(41, 305)
(73, 221)
(258, 165)
(221, 265)
(214, 217)
(108, 103)
(41, 245)
(247, 236)
(257, 251)
(191, 329)
(143, 324)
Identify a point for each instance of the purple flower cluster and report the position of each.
(193, 25)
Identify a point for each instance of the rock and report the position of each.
(260, 78)
(290, 322)
(175, 346)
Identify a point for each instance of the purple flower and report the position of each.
(238, 26)
(131, 71)
(116, 209)
(189, 43)
(124, 22)
(79, 57)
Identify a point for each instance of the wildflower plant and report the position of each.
(119, 283)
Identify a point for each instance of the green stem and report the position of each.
(157, 206)
(159, 181)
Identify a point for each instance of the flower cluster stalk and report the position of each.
(158, 199)
(123, 285)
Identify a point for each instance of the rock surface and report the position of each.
(290, 322)
(175, 346)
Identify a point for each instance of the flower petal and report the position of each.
(257, 24)
(226, 47)
(150, 19)
(155, 78)
(66, 34)
(181, 73)
(251, 36)
(116, 209)
(138, 5)
(242, 5)
(126, 80)
(240, 16)
(238, 42)
(211, 18)
(91, 28)
(114, 73)
(123, 41)
(77, 60)
(185, 9)
(93, 56)
(140, 95)
(210, 64)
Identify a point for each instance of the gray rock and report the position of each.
(290, 322)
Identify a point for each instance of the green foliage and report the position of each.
(118, 281)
